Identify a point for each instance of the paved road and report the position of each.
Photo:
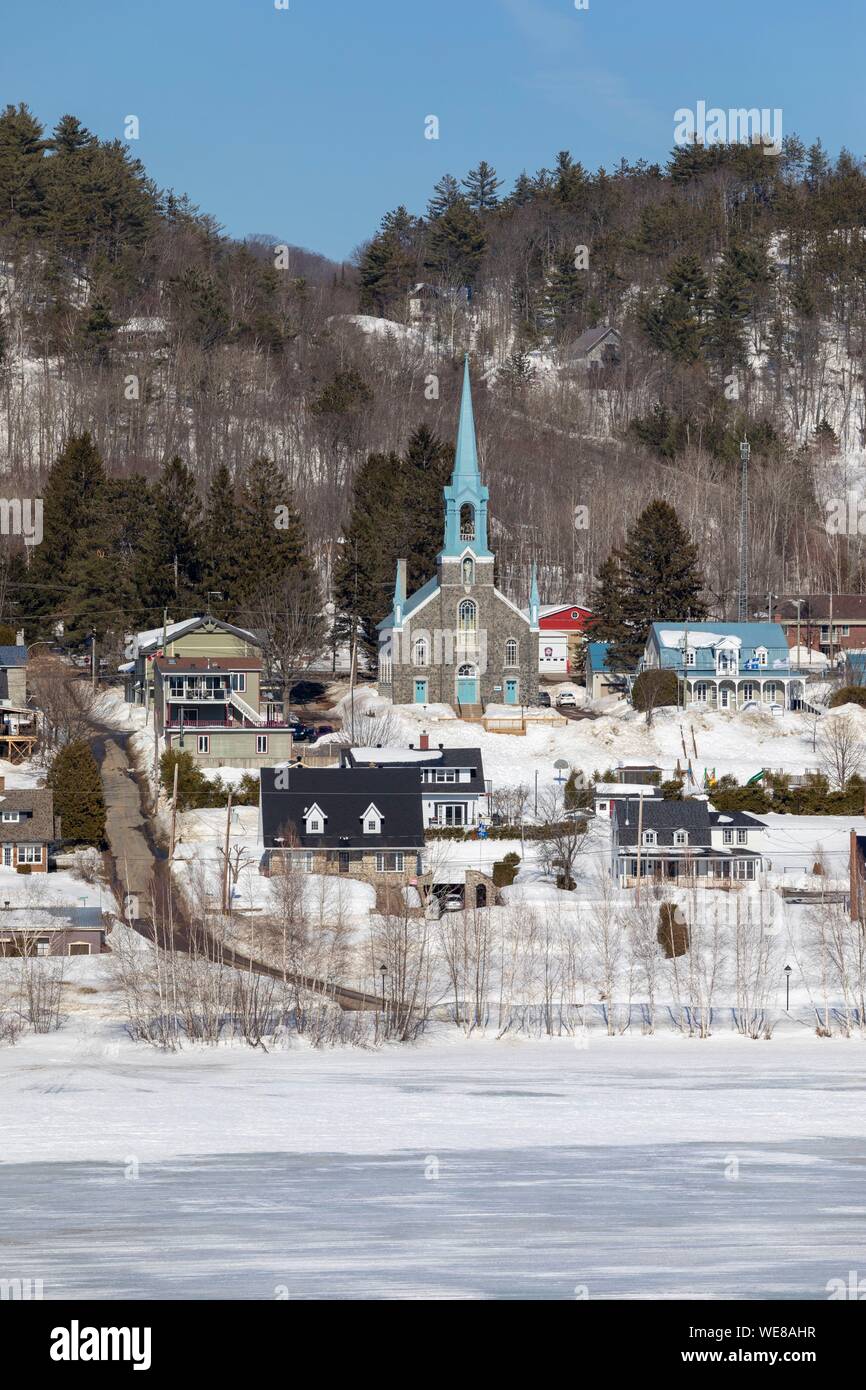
(129, 835)
(140, 868)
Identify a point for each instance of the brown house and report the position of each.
(828, 623)
(51, 931)
(27, 828)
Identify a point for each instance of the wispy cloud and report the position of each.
(561, 64)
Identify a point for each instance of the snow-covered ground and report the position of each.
(454, 1168)
(713, 742)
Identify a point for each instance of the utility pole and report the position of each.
(352, 673)
(639, 837)
(226, 852)
(743, 595)
(94, 662)
(173, 813)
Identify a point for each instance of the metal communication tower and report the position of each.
(743, 594)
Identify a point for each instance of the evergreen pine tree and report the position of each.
(445, 194)
(660, 578)
(22, 172)
(272, 540)
(221, 542)
(456, 244)
(481, 186)
(78, 798)
(96, 332)
(364, 572)
(522, 192)
(74, 504)
(169, 571)
(564, 296)
(426, 468)
(675, 321)
(389, 264)
(608, 622)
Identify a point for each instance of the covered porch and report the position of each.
(723, 692)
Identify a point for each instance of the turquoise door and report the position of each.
(467, 685)
(420, 692)
(511, 692)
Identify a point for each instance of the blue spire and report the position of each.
(466, 457)
(465, 493)
(534, 599)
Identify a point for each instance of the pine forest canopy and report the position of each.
(182, 359)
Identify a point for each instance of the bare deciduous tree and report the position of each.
(840, 749)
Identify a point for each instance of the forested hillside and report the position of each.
(215, 380)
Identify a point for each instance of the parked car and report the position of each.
(566, 699)
(453, 903)
(319, 731)
(544, 698)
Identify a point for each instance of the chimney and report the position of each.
(424, 742)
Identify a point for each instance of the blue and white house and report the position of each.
(726, 666)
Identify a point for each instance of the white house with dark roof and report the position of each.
(454, 791)
(673, 840)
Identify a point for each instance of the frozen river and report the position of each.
(632, 1168)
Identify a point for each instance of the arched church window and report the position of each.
(419, 651)
(468, 571)
(467, 522)
(511, 652)
(467, 615)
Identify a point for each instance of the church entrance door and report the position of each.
(467, 685)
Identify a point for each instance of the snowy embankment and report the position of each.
(714, 743)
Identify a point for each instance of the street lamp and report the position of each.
(787, 988)
(383, 970)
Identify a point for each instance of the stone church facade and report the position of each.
(459, 641)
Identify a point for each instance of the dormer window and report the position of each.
(314, 820)
(681, 837)
(372, 820)
(761, 655)
(690, 656)
(649, 837)
(12, 816)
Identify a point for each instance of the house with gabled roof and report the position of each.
(683, 840)
(362, 821)
(594, 348)
(28, 828)
(726, 666)
(202, 636)
(454, 791)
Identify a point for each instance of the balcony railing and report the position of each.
(191, 726)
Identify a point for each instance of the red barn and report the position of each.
(560, 628)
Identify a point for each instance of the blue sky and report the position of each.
(308, 124)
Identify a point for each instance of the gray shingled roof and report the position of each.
(664, 817)
(36, 804)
